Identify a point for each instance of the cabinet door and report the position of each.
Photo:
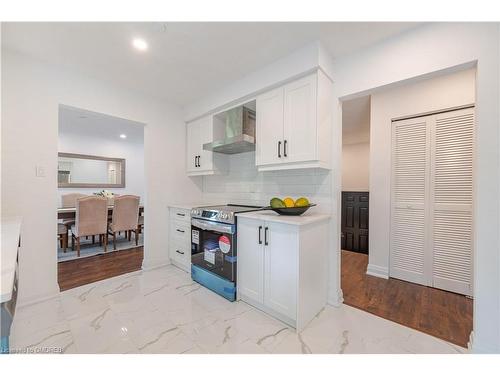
(300, 129)
(193, 139)
(250, 259)
(281, 268)
(205, 158)
(269, 128)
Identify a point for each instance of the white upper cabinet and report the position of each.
(198, 161)
(193, 142)
(294, 125)
(269, 123)
(300, 133)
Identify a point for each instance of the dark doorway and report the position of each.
(355, 221)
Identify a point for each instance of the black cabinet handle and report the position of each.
(265, 236)
(260, 232)
(195, 164)
(279, 149)
(179, 230)
(284, 149)
(180, 252)
(199, 164)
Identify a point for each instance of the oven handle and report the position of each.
(213, 226)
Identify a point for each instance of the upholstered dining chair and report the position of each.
(125, 217)
(91, 219)
(69, 200)
(62, 234)
(140, 224)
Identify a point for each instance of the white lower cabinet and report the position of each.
(250, 263)
(180, 238)
(282, 268)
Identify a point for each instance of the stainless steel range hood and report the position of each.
(239, 132)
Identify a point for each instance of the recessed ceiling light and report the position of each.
(140, 44)
(123, 136)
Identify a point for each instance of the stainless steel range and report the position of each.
(213, 247)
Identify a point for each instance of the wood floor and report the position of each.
(436, 312)
(77, 272)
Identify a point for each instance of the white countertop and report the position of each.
(268, 215)
(10, 232)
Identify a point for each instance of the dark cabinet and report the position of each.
(355, 221)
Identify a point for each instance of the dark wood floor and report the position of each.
(439, 313)
(73, 273)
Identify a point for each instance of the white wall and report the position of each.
(31, 94)
(299, 63)
(243, 184)
(132, 152)
(355, 166)
(428, 51)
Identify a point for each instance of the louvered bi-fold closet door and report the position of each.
(410, 257)
(451, 200)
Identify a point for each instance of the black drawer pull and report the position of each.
(180, 230)
(180, 252)
(178, 214)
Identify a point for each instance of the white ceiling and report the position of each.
(80, 122)
(185, 61)
(356, 120)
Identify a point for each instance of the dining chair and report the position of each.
(125, 217)
(62, 235)
(91, 219)
(69, 201)
(140, 224)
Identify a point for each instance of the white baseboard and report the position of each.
(377, 271)
(34, 301)
(470, 344)
(148, 266)
(336, 299)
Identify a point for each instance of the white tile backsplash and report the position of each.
(243, 184)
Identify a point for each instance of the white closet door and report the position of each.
(409, 251)
(451, 200)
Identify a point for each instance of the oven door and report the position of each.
(213, 247)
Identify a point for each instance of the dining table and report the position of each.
(70, 212)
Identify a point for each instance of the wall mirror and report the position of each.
(88, 171)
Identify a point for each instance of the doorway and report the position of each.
(355, 175)
(371, 282)
(101, 187)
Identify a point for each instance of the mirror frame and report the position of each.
(92, 185)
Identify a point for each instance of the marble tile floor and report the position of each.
(164, 311)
